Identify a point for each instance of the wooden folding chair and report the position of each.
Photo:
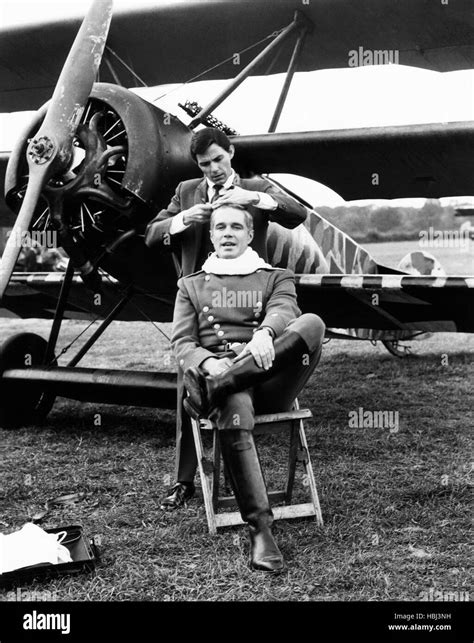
(210, 469)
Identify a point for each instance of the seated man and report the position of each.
(226, 319)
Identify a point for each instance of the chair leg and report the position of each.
(292, 460)
(310, 475)
(205, 479)
(216, 450)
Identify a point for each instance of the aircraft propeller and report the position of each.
(50, 151)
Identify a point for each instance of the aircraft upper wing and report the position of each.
(179, 39)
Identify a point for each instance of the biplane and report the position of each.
(97, 161)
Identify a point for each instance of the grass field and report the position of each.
(395, 500)
(455, 261)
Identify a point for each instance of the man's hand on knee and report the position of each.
(262, 349)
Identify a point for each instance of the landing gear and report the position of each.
(20, 405)
(394, 347)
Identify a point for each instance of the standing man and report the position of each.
(183, 228)
(254, 356)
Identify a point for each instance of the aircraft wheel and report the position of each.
(19, 407)
(394, 347)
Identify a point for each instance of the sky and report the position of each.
(319, 100)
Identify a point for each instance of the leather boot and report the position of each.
(206, 392)
(243, 464)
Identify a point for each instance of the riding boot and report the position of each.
(242, 462)
(206, 392)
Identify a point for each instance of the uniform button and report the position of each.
(257, 314)
(210, 318)
(217, 326)
(258, 304)
(205, 309)
(220, 333)
(206, 278)
(255, 323)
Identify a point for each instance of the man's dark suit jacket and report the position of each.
(193, 244)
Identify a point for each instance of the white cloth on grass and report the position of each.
(31, 545)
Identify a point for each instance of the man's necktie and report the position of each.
(216, 189)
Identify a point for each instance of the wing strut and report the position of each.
(289, 74)
(300, 24)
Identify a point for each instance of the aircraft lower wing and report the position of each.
(36, 295)
(390, 302)
(381, 302)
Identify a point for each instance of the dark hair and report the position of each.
(202, 139)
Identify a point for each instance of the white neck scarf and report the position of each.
(248, 262)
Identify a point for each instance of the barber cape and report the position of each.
(248, 262)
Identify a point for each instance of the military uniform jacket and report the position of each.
(193, 244)
(214, 311)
